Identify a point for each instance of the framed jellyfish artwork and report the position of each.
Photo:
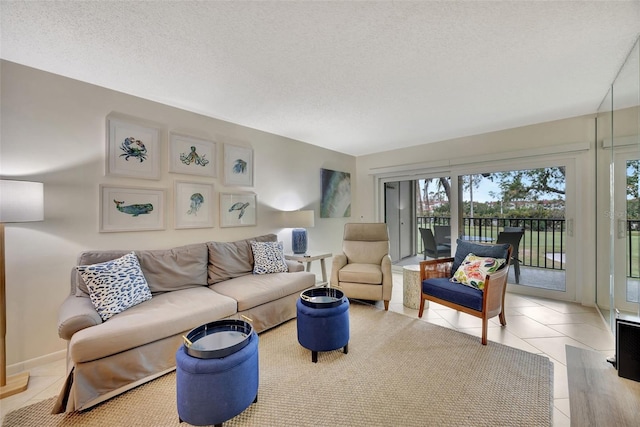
(238, 209)
(238, 165)
(131, 209)
(193, 156)
(194, 205)
(133, 149)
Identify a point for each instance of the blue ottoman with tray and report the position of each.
(217, 372)
(323, 320)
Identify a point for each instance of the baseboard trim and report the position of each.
(27, 365)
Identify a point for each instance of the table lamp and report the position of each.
(20, 201)
(299, 221)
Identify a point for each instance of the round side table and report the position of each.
(411, 286)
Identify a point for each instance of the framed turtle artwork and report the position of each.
(131, 209)
(194, 204)
(133, 149)
(238, 209)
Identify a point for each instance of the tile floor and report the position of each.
(536, 325)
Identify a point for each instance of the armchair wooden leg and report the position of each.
(503, 319)
(485, 321)
(421, 307)
(386, 305)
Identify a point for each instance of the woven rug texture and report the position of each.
(399, 372)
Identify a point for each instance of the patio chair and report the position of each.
(431, 248)
(513, 238)
(442, 233)
(484, 300)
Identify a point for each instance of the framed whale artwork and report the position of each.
(131, 209)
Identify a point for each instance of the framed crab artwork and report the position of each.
(194, 204)
(238, 165)
(191, 155)
(133, 149)
(131, 209)
(238, 209)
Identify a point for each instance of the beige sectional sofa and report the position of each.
(190, 285)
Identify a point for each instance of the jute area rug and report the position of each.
(399, 372)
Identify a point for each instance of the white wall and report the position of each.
(53, 131)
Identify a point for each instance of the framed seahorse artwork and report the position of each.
(191, 155)
(131, 209)
(238, 165)
(194, 204)
(133, 149)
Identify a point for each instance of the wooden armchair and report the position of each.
(483, 303)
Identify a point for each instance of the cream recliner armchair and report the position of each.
(363, 269)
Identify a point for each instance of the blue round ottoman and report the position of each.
(211, 391)
(323, 329)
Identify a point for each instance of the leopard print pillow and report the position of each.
(115, 285)
(268, 257)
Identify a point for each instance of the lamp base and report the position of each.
(299, 240)
(15, 384)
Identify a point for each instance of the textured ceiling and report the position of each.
(356, 77)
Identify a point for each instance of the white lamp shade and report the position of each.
(21, 201)
(298, 219)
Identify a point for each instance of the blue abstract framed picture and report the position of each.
(335, 201)
(238, 165)
(131, 209)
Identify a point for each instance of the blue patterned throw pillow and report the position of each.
(268, 257)
(115, 285)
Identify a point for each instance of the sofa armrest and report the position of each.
(339, 261)
(76, 313)
(294, 266)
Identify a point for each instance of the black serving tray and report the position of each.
(322, 297)
(217, 339)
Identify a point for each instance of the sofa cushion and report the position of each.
(361, 273)
(116, 285)
(167, 314)
(268, 257)
(228, 260)
(165, 269)
(457, 293)
(474, 270)
(253, 290)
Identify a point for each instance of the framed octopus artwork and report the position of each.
(194, 205)
(131, 209)
(193, 156)
(133, 149)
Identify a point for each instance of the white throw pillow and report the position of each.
(268, 257)
(115, 285)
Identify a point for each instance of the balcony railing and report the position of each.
(543, 242)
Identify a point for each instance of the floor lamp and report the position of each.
(20, 201)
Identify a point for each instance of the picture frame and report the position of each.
(238, 165)
(131, 209)
(238, 209)
(335, 194)
(194, 204)
(133, 149)
(192, 156)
